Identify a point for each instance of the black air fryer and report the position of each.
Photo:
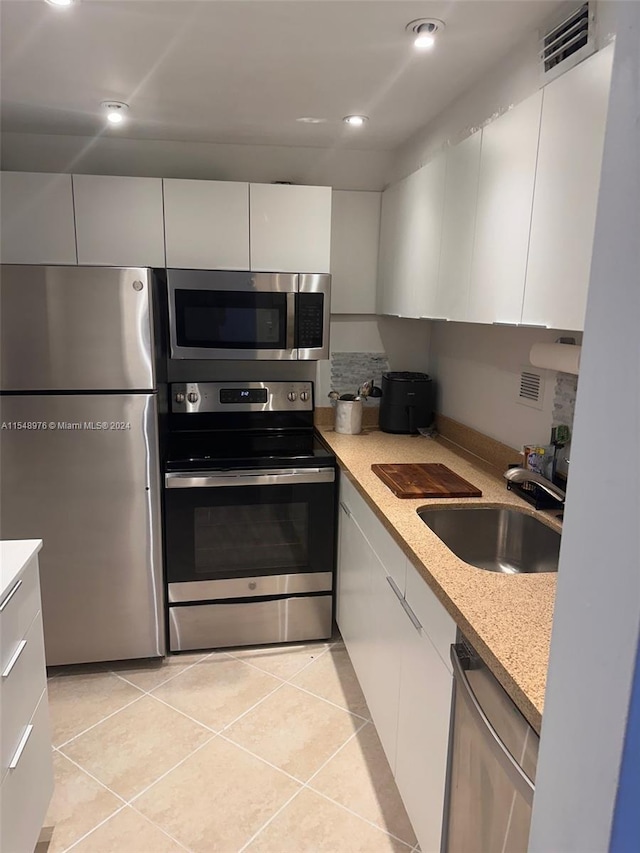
(407, 402)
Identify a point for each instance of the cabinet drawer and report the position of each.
(18, 608)
(436, 622)
(20, 690)
(26, 789)
(388, 552)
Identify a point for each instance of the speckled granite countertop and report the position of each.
(506, 617)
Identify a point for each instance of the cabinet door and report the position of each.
(503, 219)
(386, 628)
(37, 219)
(423, 735)
(206, 224)
(119, 221)
(410, 232)
(290, 228)
(458, 228)
(394, 292)
(355, 227)
(574, 115)
(353, 595)
(370, 620)
(425, 234)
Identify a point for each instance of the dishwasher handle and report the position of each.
(516, 774)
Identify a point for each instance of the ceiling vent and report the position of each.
(569, 38)
(531, 390)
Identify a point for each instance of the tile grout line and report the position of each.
(338, 750)
(171, 769)
(309, 663)
(93, 828)
(328, 701)
(95, 779)
(262, 760)
(170, 678)
(270, 820)
(157, 826)
(93, 726)
(293, 778)
(366, 820)
(306, 785)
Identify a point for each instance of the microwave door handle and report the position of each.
(290, 342)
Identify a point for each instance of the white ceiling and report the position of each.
(242, 71)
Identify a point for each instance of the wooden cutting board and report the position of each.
(425, 480)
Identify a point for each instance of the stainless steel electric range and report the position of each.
(250, 497)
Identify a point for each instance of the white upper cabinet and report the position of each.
(574, 115)
(355, 227)
(394, 291)
(206, 224)
(37, 219)
(290, 228)
(427, 202)
(410, 235)
(503, 218)
(119, 221)
(458, 228)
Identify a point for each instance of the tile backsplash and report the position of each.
(564, 399)
(350, 369)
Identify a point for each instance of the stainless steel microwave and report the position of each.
(244, 315)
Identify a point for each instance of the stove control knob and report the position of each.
(292, 396)
(192, 397)
(180, 397)
(304, 396)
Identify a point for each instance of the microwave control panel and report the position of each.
(310, 320)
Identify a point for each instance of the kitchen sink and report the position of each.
(497, 540)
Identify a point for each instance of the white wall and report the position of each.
(477, 370)
(596, 623)
(339, 168)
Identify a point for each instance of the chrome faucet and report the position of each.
(521, 475)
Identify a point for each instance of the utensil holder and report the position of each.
(348, 417)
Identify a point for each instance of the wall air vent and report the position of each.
(569, 38)
(531, 390)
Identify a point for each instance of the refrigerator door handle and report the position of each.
(516, 775)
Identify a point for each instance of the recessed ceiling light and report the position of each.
(116, 111)
(60, 2)
(355, 121)
(311, 120)
(424, 32)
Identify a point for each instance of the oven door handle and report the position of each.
(244, 477)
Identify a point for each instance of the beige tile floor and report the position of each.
(267, 750)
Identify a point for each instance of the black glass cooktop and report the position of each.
(193, 451)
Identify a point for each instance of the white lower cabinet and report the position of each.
(423, 736)
(371, 627)
(26, 770)
(398, 643)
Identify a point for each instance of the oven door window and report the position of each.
(230, 319)
(252, 538)
(232, 532)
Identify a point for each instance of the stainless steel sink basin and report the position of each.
(498, 540)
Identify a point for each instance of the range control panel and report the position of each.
(199, 397)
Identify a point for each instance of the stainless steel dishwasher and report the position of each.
(493, 753)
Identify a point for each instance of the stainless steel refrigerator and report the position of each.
(79, 461)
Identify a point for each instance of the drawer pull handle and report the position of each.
(405, 605)
(14, 658)
(18, 753)
(10, 596)
(346, 509)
